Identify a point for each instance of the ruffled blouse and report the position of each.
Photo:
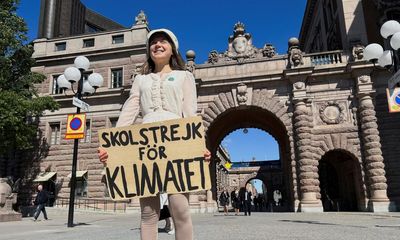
(174, 93)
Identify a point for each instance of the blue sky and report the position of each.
(256, 144)
(200, 25)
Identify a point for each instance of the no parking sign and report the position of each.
(76, 126)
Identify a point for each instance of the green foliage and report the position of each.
(20, 104)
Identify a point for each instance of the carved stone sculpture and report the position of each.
(295, 54)
(241, 48)
(241, 94)
(141, 18)
(213, 57)
(332, 112)
(240, 44)
(296, 57)
(358, 51)
(7, 199)
(268, 50)
(136, 70)
(190, 65)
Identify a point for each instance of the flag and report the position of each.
(393, 98)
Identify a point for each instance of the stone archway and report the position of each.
(254, 109)
(340, 182)
(260, 199)
(348, 145)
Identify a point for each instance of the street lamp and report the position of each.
(66, 81)
(389, 59)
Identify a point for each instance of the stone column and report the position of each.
(307, 165)
(371, 147)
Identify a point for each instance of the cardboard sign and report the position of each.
(146, 159)
(393, 98)
(75, 126)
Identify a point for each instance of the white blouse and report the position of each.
(173, 96)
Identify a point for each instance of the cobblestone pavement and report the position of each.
(99, 226)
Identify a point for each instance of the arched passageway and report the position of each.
(256, 117)
(340, 186)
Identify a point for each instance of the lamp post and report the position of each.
(389, 59)
(66, 81)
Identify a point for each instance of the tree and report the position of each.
(20, 104)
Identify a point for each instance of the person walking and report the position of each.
(224, 200)
(40, 202)
(248, 197)
(163, 91)
(235, 199)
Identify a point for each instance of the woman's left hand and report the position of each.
(207, 155)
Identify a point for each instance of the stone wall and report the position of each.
(389, 129)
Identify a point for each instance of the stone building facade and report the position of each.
(351, 25)
(327, 111)
(63, 18)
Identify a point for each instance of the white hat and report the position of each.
(167, 32)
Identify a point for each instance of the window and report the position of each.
(117, 39)
(56, 89)
(61, 46)
(113, 122)
(54, 133)
(88, 42)
(88, 133)
(116, 78)
(86, 75)
(81, 187)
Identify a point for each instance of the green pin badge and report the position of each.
(171, 79)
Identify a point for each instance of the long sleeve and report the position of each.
(189, 107)
(131, 107)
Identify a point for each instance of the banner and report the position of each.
(146, 159)
(393, 98)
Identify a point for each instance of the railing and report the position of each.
(273, 164)
(326, 58)
(95, 204)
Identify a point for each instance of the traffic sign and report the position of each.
(75, 126)
(393, 98)
(394, 80)
(80, 104)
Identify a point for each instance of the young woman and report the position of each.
(235, 199)
(224, 200)
(163, 91)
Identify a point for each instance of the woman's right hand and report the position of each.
(103, 155)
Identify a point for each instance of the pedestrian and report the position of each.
(248, 197)
(163, 91)
(259, 202)
(224, 200)
(235, 199)
(40, 202)
(277, 197)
